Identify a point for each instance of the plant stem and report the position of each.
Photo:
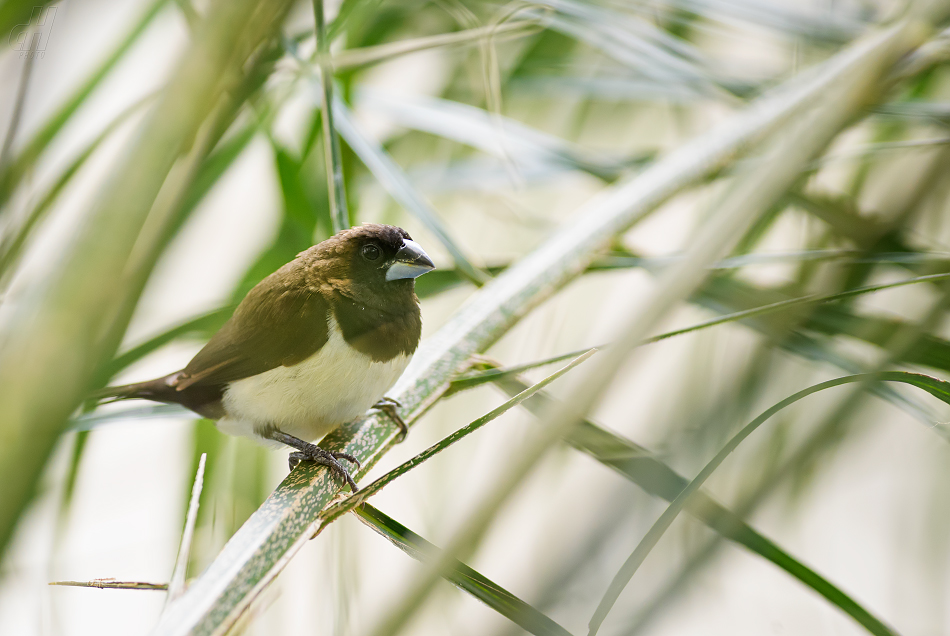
(331, 142)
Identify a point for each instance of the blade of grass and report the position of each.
(176, 586)
(875, 148)
(833, 25)
(90, 421)
(339, 214)
(630, 31)
(112, 584)
(20, 165)
(937, 51)
(797, 302)
(12, 243)
(476, 378)
(446, 278)
(841, 216)
(217, 163)
(352, 59)
(828, 435)
(21, 92)
(498, 136)
(193, 177)
(729, 294)
(623, 40)
(305, 217)
(72, 473)
(394, 180)
(930, 351)
(937, 388)
(799, 345)
(610, 89)
(347, 9)
(174, 201)
(623, 260)
(189, 13)
(283, 524)
(462, 576)
(642, 468)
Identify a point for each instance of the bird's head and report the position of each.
(373, 259)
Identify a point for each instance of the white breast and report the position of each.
(335, 385)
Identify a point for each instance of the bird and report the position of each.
(312, 346)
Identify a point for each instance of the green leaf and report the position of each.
(464, 577)
(833, 24)
(13, 242)
(636, 44)
(735, 297)
(876, 331)
(21, 164)
(640, 466)
(350, 59)
(90, 421)
(938, 388)
(497, 136)
(333, 160)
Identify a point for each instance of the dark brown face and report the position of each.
(371, 262)
(375, 252)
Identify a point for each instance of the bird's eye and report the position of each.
(371, 252)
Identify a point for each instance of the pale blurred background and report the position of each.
(872, 515)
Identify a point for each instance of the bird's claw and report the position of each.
(388, 406)
(330, 459)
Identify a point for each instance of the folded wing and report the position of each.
(277, 324)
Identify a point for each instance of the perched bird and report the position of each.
(312, 346)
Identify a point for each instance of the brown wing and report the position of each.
(277, 324)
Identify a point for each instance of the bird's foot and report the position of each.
(313, 453)
(330, 459)
(388, 406)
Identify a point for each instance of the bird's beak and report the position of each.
(411, 261)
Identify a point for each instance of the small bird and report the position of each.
(312, 346)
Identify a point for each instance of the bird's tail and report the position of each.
(157, 390)
(203, 400)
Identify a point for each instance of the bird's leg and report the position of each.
(388, 406)
(312, 452)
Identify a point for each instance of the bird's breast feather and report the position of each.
(336, 384)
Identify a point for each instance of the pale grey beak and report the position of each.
(411, 262)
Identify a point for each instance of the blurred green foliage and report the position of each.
(556, 101)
